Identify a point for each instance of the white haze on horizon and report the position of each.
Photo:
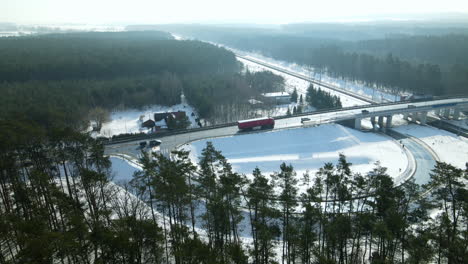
(215, 11)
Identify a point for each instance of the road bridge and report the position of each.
(378, 120)
(381, 115)
(351, 116)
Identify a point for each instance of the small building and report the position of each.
(148, 124)
(278, 97)
(160, 116)
(179, 114)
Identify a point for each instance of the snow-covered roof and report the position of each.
(253, 101)
(276, 94)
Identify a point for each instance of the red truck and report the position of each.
(263, 122)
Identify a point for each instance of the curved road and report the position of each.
(424, 159)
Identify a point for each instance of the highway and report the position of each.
(424, 159)
(316, 118)
(306, 78)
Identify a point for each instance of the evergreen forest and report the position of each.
(423, 59)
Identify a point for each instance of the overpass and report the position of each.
(351, 116)
(382, 115)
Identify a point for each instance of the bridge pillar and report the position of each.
(422, 118)
(447, 113)
(414, 116)
(389, 121)
(372, 120)
(357, 123)
(405, 116)
(381, 126)
(456, 113)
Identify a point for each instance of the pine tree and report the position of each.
(263, 215)
(299, 109)
(448, 191)
(294, 96)
(288, 202)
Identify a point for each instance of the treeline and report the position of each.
(321, 99)
(59, 79)
(70, 102)
(446, 50)
(97, 55)
(438, 67)
(57, 204)
(211, 93)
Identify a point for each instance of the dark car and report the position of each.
(154, 143)
(143, 144)
(365, 111)
(304, 119)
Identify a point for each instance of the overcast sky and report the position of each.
(216, 11)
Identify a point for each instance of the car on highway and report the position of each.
(154, 143)
(304, 119)
(143, 144)
(365, 111)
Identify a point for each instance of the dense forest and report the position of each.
(421, 63)
(59, 79)
(58, 205)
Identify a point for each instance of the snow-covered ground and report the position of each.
(301, 85)
(307, 149)
(128, 121)
(353, 86)
(122, 169)
(463, 123)
(13, 33)
(449, 147)
(292, 82)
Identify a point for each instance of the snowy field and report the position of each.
(449, 147)
(302, 85)
(128, 121)
(352, 86)
(307, 149)
(292, 82)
